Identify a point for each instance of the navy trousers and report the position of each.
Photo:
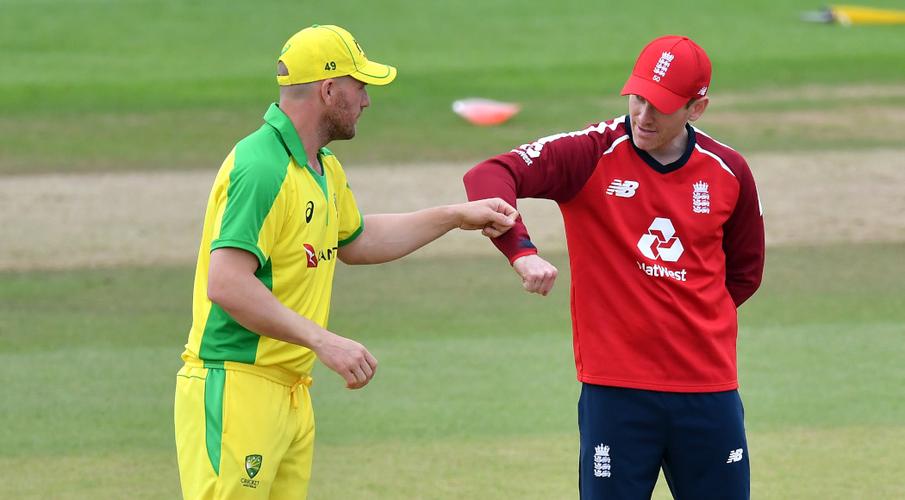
(627, 435)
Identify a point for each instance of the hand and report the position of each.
(537, 274)
(492, 216)
(348, 358)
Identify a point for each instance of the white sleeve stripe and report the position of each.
(615, 143)
(715, 157)
(696, 129)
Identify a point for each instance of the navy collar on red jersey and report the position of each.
(650, 160)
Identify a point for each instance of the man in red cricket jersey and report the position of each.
(665, 236)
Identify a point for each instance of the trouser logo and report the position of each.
(602, 461)
(252, 467)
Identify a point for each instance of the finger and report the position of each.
(371, 360)
(505, 208)
(367, 370)
(500, 221)
(549, 279)
(358, 378)
(548, 284)
(349, 378)
(491, 232)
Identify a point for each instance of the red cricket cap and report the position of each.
(670, 71)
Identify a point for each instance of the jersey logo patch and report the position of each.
(700, 198)
(661, 241)
(622, 189)
(312, 255)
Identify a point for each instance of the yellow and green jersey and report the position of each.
(268, 201)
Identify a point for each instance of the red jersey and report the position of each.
(661, 255)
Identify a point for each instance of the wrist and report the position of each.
(523, 253)
(454, 216)
(318, 339)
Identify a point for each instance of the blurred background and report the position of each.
(115, 116)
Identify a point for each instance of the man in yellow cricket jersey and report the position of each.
(279, 215)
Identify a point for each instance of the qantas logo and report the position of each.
(315, 257)
(312, 255)
(622, 189)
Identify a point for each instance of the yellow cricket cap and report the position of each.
(321, 52)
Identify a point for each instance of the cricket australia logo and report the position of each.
(602, 465)
(700, 199)
(622, 189)
(252, 467)
(661, 241)
(662, 65)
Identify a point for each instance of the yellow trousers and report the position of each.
(243, 432)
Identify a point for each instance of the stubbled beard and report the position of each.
(337, 130)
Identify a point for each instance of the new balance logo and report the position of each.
(735, 456)
(622, 189)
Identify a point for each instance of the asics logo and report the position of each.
(622, 189)
(661, 241)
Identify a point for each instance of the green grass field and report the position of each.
(476, 392)
(475, 396)
(174, 84)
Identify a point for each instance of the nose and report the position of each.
(647, 112)
(366, 99)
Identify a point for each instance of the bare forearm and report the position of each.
(250, 303)
(233, 286)
(390, 236)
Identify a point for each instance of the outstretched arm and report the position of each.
(388, 237)
(233, 286)
(554, 167)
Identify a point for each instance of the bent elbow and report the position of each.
(214, 292)
(471, 180)
(218, 290)
(349, 260)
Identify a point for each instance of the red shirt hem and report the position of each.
(653, 386)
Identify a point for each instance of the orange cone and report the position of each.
(485, 112)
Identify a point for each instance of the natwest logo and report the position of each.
(661, 241)
(314, 256)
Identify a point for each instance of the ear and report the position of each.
(697, 108)
(328, 90)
